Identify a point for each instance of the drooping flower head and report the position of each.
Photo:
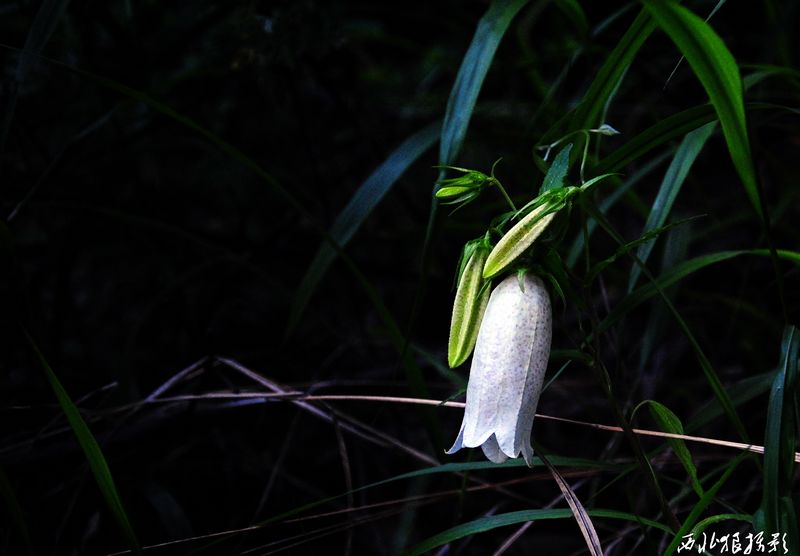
(508, 369)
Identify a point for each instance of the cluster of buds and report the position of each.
(509, 330)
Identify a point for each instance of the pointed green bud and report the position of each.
(517, 240)
(472, 295)
(451, 191)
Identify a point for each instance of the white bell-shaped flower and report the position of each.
(508, 369)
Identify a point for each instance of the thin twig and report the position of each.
(297, 397)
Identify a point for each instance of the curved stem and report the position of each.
(505, 195)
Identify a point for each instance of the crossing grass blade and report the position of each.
(719, 518)
(44, 23)
(577, 245)
(484, 524)
(647, 237)
(589, 111)
(704, 502)
(740, 392)
(708, 370)
(716, 68)
(15, 511)
(645, 292)
(671, 185)
(471, 75)
(360, 206)
(669, 422)
(574, 12)
(581, 516)
(94, 456)
(777, 513)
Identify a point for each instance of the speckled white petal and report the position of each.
(508, 368)
(534, 381)
(492, 451)
(459, 443)
(483, 394)
(533, 348)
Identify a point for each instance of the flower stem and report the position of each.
(505, 195)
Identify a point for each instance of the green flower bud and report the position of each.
(472, 295)
(448, 192)
(517, 240)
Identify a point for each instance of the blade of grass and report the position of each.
(741, 392)
(719, 518)
(643, 293)
(501, 520)
(716, 8)
(630, 246)
(577, 245)
(15, 511)
(44, 23)
(777, 513)
(671, 185)
(668, 422)
(360, 206)
(587, 114)
(581, 516)
(94, 456)
(715, 67)
(474, 67)
(663, 131)
(708, 370)
(574, 12)
(675, 252)
(701, 506)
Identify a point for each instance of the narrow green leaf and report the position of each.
(643, 293)
(557, 171)
(97, 462)
(669, 422)
(708, 370)
(44, 23)
(648, 237)
(360, 206)
(581, 516)
(502, 520)
(574, 12)
(716, 69)
(588, 113)
(666, 130)
(577, 245)
(779, 443)
(702, 525)
(15, 511)
(671, 185)
(701, 506)
(743, 391)
(764, 71)
(469, 80)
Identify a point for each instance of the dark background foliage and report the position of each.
(135, 247)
